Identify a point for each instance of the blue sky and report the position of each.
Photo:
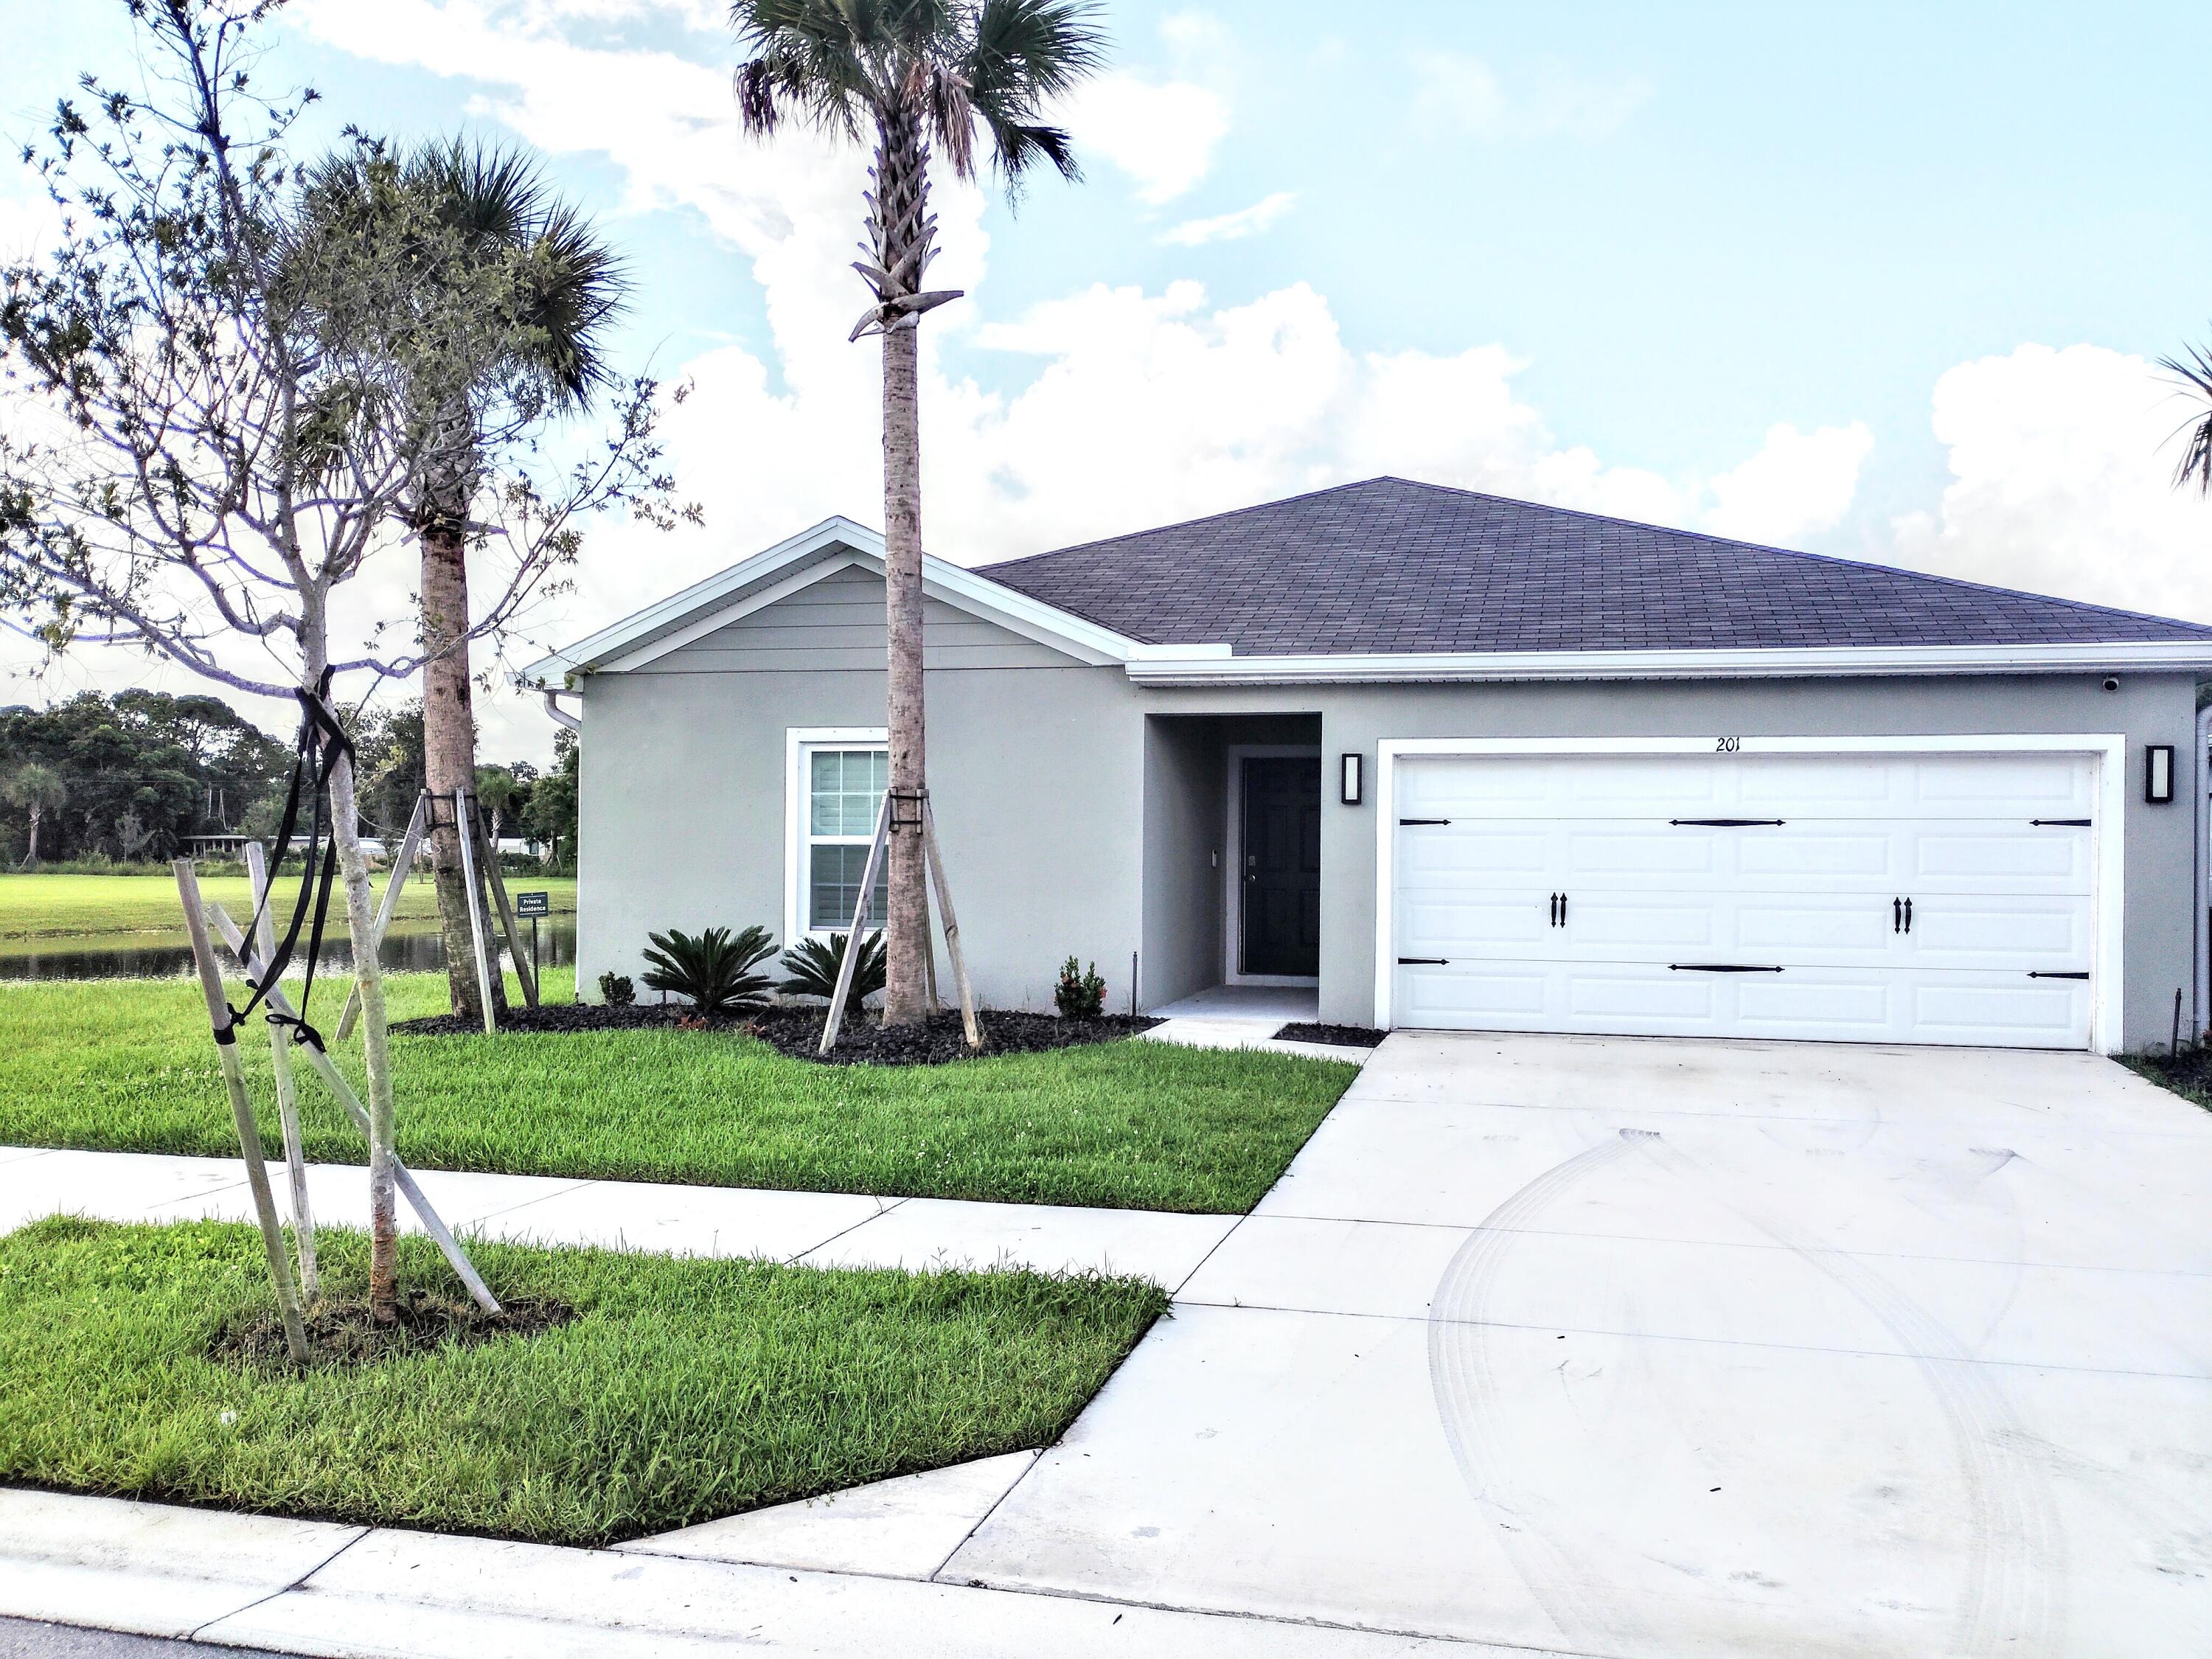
(1876, 280)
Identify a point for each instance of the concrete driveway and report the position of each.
(1648, 1348)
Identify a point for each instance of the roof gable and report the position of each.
(1393, 567)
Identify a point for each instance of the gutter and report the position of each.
(1206, 667)
(562, 717)
(2200, 989)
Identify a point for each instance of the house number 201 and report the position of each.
(1727, 745)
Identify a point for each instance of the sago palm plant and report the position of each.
(813, 967)
(908, 75)
(712, 970)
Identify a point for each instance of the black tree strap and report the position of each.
(321, 741)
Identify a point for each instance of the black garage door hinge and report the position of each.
(1728, 824)
(1403, 821)
(1425, 962)
(2059, 824)
(2037, 973)
(1717, 967)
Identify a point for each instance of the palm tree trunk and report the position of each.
(905, 933)
(31, 862)
(449, 759)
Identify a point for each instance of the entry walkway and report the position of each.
(823, 1229)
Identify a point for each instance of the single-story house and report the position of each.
(1450, 760)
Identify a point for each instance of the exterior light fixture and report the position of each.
(1349, 778)
(2158, 773)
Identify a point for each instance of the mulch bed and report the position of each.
(797, 1030)
(2188, 1072)
(345, 1332)
(1341, 1036)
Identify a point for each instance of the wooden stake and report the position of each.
(327, 1070)
(844, 969)
(525, 971)
(461, 833)
(401, 866)
(241, 1113)
(969, 1021)
(287, 1103)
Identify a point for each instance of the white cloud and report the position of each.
(1799, 484)
(1232, 227)
(1161, 134)
(2062, 483)
(1455, 90)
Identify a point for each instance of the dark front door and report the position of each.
(1282, 864)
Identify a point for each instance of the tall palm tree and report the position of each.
(911, 74)
(483, 208)
(2192, 374)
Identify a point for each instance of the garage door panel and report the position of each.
(1996, 786)
(1817, 896)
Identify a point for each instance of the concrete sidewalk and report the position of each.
(825, 1230)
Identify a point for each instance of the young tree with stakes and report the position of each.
(212, 423)
(909, 74)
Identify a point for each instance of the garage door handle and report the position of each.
(1425, 962)
(2059, 824)
(1727, 824)
(2038, 973)
(1412, 821)
(1717, 968)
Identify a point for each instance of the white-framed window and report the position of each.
(834, 779)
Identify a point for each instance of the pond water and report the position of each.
(409, 947)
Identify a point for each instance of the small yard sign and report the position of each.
(533, 904)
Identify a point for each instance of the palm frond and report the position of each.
(2192, 377)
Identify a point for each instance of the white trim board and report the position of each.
(832, 545)
(1232, 862)
(797, 739)
(1157, 666)
(2109, 857)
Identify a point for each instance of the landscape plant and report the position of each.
(215, 423)
(615, 989)
(908, 75)
(811, 967)
(1078, 993)
(476, 222)
(712, 970)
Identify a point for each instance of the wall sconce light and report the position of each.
(1353, 775)
(2158, 773)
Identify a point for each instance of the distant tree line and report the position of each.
(134, 777)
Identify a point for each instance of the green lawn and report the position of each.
(686, 1390)
(70, 907)
(127, 1064)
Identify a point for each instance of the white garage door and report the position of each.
(1892, 898)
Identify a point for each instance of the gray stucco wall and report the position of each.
(1071, 822)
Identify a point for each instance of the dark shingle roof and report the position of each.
(1393, 567)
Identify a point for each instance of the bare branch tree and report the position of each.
(213, 416)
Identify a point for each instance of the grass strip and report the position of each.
(683, 1389)
(126, 1065)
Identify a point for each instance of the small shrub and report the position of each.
(714, 970)
(813, 967)
(615, 990)
(1080, 994)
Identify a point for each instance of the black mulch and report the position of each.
(1343, 1036)
(797, 1030)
